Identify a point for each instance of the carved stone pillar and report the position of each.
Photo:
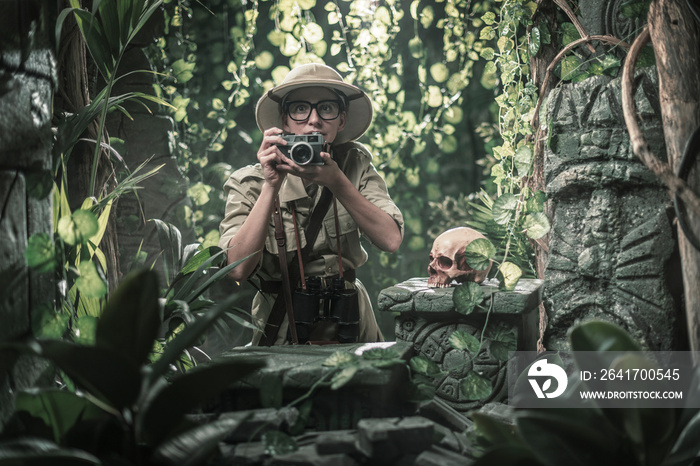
(27, 83)
(612, 251)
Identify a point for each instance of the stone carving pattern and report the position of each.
(431, 340)
(611, 239)
(618, 24)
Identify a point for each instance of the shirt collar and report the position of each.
(292, 189)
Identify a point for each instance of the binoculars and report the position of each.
(326, 314)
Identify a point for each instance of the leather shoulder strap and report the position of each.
(312, 230)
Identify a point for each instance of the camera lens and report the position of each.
(301, 153)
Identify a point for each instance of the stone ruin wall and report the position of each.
(27, 83)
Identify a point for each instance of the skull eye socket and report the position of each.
(444, 262)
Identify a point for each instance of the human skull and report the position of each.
(447, 261)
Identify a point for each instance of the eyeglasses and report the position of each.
(300, 110)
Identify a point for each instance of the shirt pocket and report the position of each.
(349, 233)
(290, 239)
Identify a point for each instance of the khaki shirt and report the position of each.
(243, 189)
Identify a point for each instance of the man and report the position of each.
(312, 98)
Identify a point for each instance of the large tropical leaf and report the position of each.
(187, 338)
(164, 411)
(574, 437)
(100, 372)
(193, 447)
(59, 409)
(601, 336)
(131, 318)
(40, 452)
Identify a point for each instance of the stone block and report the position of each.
(372, 391)
(427, 317)
(414, 296)
(14, 276)
(337, 441)
(438, 456)
(307, 456)
(25, 108)
(388, 439)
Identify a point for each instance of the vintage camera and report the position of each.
(304, 149)
(326, 314)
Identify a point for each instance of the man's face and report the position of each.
(298, 99)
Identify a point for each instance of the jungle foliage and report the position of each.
(452, 91)
(597, 435)
(121, 407)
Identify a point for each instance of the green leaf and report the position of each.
(90, 283)
(523, 160)
(101, 372)
(570, 33)
(78, 227)
(634, 9)
(439, 72)
(583, 435)
(168, 404)
(489, 18)
(461, 340)
(479, 254)
(48, 322)
(41, 253)
(278, 443)
(510, 273)
(686, 447)
(536, 225)
(195, 446)
(30, 451)
(424, 366)
(344, 376)
(570, 67)
(466, 297)
(535, 203)
(487, 53)
(533, 45)
(83, 330)
(340, 359)
(475, 386)
(199, 193)
(131, 318)
(601, 336)
(189, 337)
(487, 33)
(170, 240)
(610, 64)
(415, 46)
(183, 71)
(59, 409)
(382, 357)
(504, 208)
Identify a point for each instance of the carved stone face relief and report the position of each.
(447, 262)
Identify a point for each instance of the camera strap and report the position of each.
(290, 273)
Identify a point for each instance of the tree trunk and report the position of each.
(73, 94)
(546, 13)
(675, 35)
